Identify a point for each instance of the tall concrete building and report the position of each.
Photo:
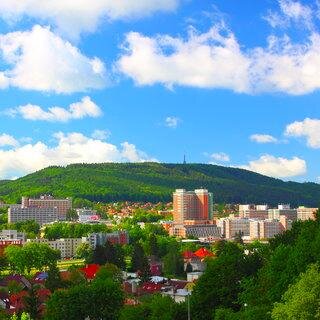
(18, 213)
(194, 205)
(47, 201)
(46, 209)
(304, 213)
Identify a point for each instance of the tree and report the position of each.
(220, 284)
(32, 303)
(302, 300)
(109, 271)
(72, 215)
(31, 255)
(84, 251)
(54, 280)
(189, 267)
(140, 261)
(98, 300)
(173, 262)
(153, 245)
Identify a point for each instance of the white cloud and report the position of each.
(101, 134)
(40, 60)
(277, 167)
(172, 122)
(308, 128)
(215, 59)
(291, 11)
(73, 17)
(208, 60)
(78, 110)
(7, 140)
(263, 138)
(69, 148)
(220, 156)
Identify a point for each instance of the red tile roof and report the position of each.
(203, 253)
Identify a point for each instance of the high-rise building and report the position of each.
(194, 205)
(47, 201)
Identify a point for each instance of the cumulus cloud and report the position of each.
(208, 60)
(74, 17)
(7, 140)
(308, 128)
(277, 167)
(215, 59)
(41, 60)
(78, 110)
(172, 122)
(263, 138)
(220, 157)
(291, 11)
(69, 148)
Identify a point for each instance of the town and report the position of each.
(150, 248)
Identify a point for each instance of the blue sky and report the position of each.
(229, 82)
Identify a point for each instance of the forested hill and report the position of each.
(155, 182)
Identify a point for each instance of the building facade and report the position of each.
(304, 213)
(47, 201)
(194, 205)
(42, 216)
(67, 246)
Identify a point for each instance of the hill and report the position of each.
(155, 182)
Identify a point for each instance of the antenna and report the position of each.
(184, 159)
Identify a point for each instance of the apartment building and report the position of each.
(42, 215)
(252, 211)
(195, 230)
(266, 229)
(12, 235)
(230, 227)
(304, 213)
(48, 201)
(117, 237)
(67, 246)
(282, 210)
(194, 205)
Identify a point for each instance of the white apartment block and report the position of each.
(304, 213)
(47, 201)
(230, 227)
(282, 210)
(12, 235)
(66, 246)
(266, 229)
(42, 216)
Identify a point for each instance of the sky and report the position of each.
(228, 82)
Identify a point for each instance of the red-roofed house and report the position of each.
(203, 253)
(90, 271)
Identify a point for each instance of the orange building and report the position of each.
(194, 206)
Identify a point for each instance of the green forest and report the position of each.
(154, 182)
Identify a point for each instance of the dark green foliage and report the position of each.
(109, 253)
(221, 283)
(302, 300)
(54, 280)
(32, 303)
(140, 261)
(157, 307)
(153, 244)
(155, 182)
(99, 300)
(173, 261)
